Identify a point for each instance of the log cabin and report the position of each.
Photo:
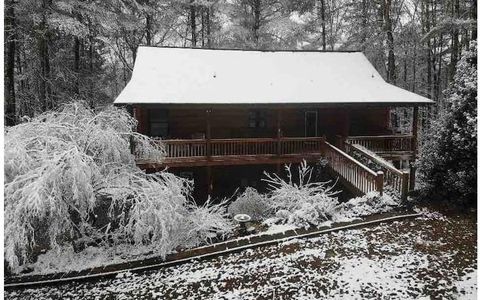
(225, 116)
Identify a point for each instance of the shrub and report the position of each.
(250, 202)
(371, 203)
(207, 222)
(306, 203)
(63, 164)
(448, 160)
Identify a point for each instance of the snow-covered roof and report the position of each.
(206, 76)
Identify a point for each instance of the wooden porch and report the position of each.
(285, 150)
(244, 151)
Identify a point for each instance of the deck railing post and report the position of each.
(404, 191)
(379, 182)
(340, 141)
(323, 145)
(279, 132)
(208, 134)
(414, 147)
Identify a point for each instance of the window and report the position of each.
(159, 123)
(257, 119)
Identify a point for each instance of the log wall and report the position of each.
(233, 123)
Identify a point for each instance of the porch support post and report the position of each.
(208, 136)
(279, 136)
(279, 130)
(209, 181)
(346, 124)
(414, 147)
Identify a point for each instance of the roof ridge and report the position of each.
(253, 50)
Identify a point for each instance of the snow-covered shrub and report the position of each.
(55, 166)
(448, 160)
(63, 164)
(306, 203)
(371, 203)
(207, 222)
(250, 202)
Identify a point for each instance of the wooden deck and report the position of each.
(257, 151)
(215, 152)
(391, 147)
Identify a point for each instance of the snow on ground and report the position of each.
(424, 257)
(91, 257)
(467, 286)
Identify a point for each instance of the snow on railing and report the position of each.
(384, 143)
(185, 148)
(351, 170)
(242, 147)
(398, 180)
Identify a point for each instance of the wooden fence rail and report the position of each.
(384, 143)
(351, 170)
(398, 180)
(185, 148)
(242, 147)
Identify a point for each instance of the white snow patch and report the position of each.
(467, 286)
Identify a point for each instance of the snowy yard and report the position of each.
(432, 256)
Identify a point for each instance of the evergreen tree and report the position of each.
(448, 163)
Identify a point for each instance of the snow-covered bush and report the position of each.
(371, 203)
(448, 160)
(306, 203)
(250, 202)
(207, 222)
(63, 164)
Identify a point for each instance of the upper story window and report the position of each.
(257, 119)
(158, 123)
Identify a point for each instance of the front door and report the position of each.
(311, 122)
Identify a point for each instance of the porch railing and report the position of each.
(242, 147)
(396, 179)
(353, 171)
(185, 148)
(348, 168)
(384, 143)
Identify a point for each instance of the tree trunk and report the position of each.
(209, 27)
(390, 45)
(193, 24)
(405, 70)
(203, 26)
(414, 68)
(10, 37)
(90, 56)
(76, 63)
(473, 13)
(426, 29)
(364, 25)
(44, 58)
(322, 15)
(438, 75)
(256, 21)
(455, 43)
(148, 29)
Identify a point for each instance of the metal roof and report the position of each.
(164, 75)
